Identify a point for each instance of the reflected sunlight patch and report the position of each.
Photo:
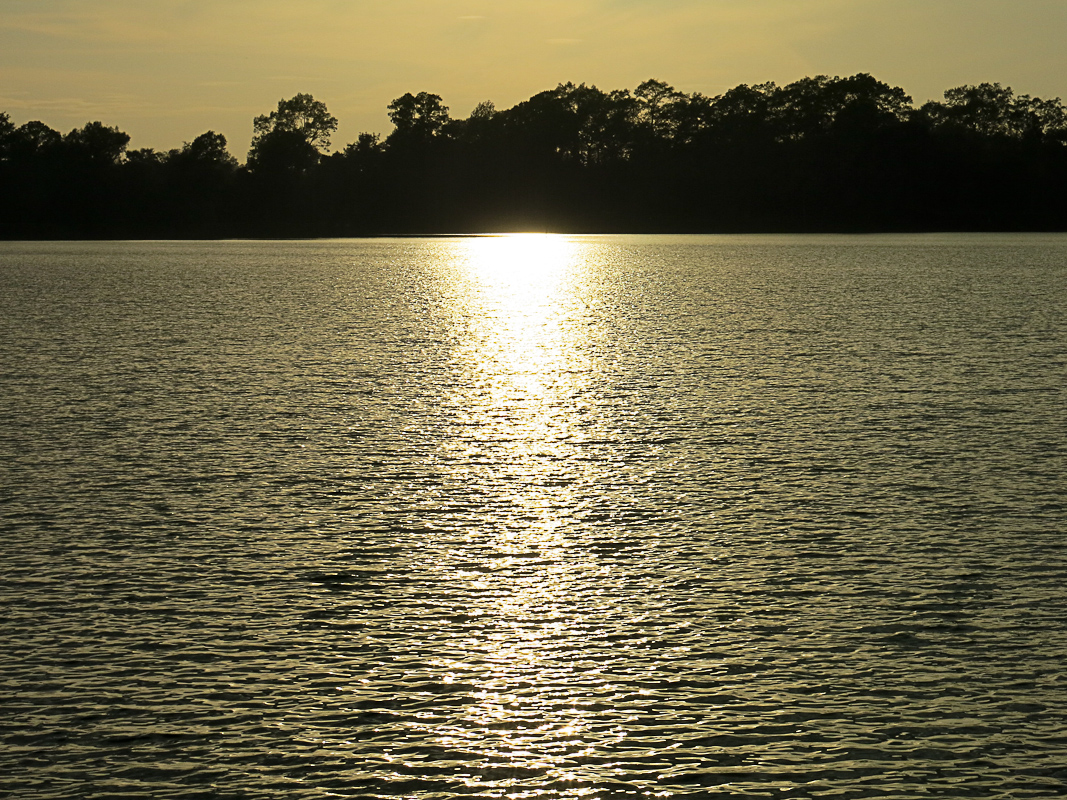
(524, 295)
(525, 361)
(524, 376)
(515, 257)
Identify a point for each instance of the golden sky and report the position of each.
(165, 71)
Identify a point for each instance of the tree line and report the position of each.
(819, 154)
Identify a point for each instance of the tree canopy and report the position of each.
(417, 117)
(301, 114)
(293, 136)
(821, 153)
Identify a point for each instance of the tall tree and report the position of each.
(657, 101)
(207, 148)
(417, 117)
(292, 137)
(302, 114)
(97, 143)
(32, 138)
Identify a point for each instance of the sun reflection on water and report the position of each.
(526, 359)
(525, 365)
(525, 298)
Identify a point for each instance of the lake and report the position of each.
(534, 517)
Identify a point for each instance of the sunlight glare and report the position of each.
(526, 365)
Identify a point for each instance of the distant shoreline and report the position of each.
(820, 155)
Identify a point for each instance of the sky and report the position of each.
(165, 71)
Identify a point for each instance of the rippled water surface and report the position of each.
(534, 517)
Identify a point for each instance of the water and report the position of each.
(534, 517)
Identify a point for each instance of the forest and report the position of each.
(822, 154)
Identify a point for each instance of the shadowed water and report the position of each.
(534, 517)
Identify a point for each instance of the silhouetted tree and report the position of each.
(85, 177)
(208, 149)
(990, 109)
(744, 112)
(32, 139)
(33, 176)
(282, 152)
(484, 111)
(366, 146)
(145, 156)
(417, 117)
(814, 105)
(200, 179)
(292, 137)
(348, 189)
(478, 126)
(277, 197)
(97, 143)
(301, 114)
(657, 101)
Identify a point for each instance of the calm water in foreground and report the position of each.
(534, 517)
